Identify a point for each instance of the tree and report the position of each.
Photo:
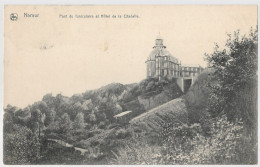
(109, 109)
(23, 112)
(91, 118)
(76, 108)
(50, 116)
(11, 110)
(60, 105)
(64, 123)
(37, 119)
(234, 91)
(41, 105)
(49, 100)
(77, 98)
(8, 122)
(79, 121)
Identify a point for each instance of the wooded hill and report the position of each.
(215, 122)
(80, 118)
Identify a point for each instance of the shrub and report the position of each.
(150, 86)
(21, 147)
(102, 125)
(122, 133)
(94, 143)
(235, 69)
(137, 153)
(186, 145)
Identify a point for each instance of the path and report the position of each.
(81, 150)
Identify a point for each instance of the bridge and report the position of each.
(185, 83)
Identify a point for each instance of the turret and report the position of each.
(159, 42)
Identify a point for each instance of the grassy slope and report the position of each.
(154, 120)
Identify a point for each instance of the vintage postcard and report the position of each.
(130, 85)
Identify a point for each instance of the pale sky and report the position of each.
(49, 54)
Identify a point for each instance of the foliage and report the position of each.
(37, 121)
(21, 146)
(107, 110)
(122, 134)
(236, 74)
(206, 139)
(151, 87)
(50, 116)
(75, 110)
(138, 153)
(64, 123)
(91, 118)
(26, 112)
(49, 100)
(186, 145)
(8, 122)
(79, 121)
(10, 109)
(102, 125)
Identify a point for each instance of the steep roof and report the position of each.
(160, 50)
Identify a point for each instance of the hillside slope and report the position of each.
(149, 94)
(154, 119)
(198, 93)
(196, 98)
(180, 110)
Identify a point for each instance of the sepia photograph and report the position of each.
(130, 85)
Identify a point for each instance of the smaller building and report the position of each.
(190, 70)
(123, 117)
